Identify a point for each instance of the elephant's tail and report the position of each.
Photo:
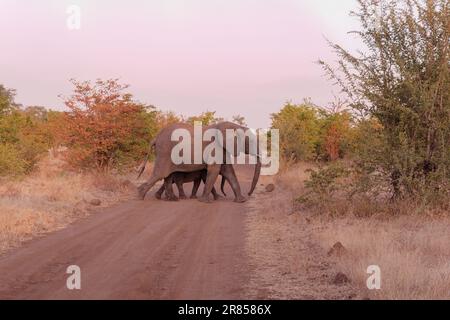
(142, 168)
(222, 184)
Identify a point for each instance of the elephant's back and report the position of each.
(163, 139)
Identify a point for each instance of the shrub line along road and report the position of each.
(138, 250)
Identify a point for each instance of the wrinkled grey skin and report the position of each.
(164, 167)
(180, 178)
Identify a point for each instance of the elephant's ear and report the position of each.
(228, 131)
(220, 134)
(220, 140)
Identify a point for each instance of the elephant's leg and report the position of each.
(143, 188)
(195, 188)
(213, 172)
(213, 190)
(169, 190)
(215, 194)
(179, 183)
(229, 174)
(226, 180)
(159, 193)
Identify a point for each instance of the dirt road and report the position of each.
(138, 250)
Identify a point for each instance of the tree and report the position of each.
(10, 119)
(206, 118)
(7, 103)
(309, 132)
(299, 127)
(22, 140)
(36, 112)
(401, 78)
(337, 130)
(105, 127)
(163, 119)
(239, 120)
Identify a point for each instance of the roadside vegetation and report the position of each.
(372, 172)
(386, 142)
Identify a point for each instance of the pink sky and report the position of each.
(236, 57)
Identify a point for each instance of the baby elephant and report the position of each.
(179, 178)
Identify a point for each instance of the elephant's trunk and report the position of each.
(256, 175)
(142, 168)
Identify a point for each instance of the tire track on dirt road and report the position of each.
(138, 250)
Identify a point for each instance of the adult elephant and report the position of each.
(164, 164)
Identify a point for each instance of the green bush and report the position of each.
(401, 78)
(323, 184)
(12, 162)
(308, 132)
(299, 127)
(23, 136)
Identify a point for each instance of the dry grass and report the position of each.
(291, 177)
(410, 243)
(413, 253)
(285, 260)
(51, 198)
